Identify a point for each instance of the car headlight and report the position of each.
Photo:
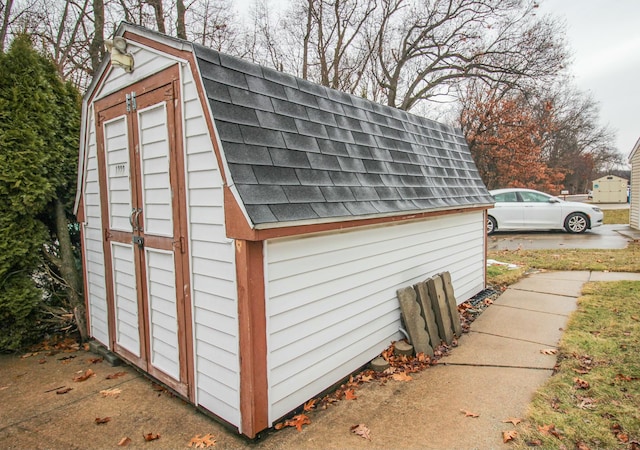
(596, 209)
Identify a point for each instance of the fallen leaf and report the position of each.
(150, 437)
(549, 351)
(201, 442)
(401, 376)
(124, 442)
(113, 376)
(113, 392)
(549, 429)
(298, 421)
(580, 383)
(103, 420)
(361, 430)
(3, 388)
(623, 437)
(469, 413)
(349, 394)
(28, 355)
(512, 420)
(63, 390)
(85, 376)
(621, 377)
(582, 371)
(279, 426)
(366, 378)
(311, 404)
(582, 446)
(635, 318)
(509, 435)
(94, 360)
(534, 443)
(42, 361)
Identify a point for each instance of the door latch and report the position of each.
(138, 240)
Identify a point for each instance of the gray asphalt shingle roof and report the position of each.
(299, 151)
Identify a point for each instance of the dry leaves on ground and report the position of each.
(580, 383)
(85, 376)
(469, 413)
(124, 441)
(549, 429)
(350, 394)
(100, 421)
(63, 390)
(549, 351)
(208, 440)
(113, 376)
(509, 435)
(150, 437)
(512, 420)
(361, 430)
(113, 392)
(401, 376)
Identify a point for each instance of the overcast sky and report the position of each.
(605, 38)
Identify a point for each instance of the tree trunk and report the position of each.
(67, 266)
(6, 13)
(305, 42)
(181, 30)
(96, 49)
(159, 13)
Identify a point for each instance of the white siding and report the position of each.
(93, 250)
(154, 163)
(163, 320)
(146, 63)
(634, 213)
(215, 308)
(331, 298)
(125, 297)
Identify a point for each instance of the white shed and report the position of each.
(245, 231)
(610, 189)
(634, 199)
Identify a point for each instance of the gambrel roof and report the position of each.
(298, 151)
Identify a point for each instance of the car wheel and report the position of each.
(576, 223)
(492, 226)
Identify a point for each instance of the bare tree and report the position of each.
(158, 11)
(426, 49)
(5, 10)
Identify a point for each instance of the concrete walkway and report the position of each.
(493, 373)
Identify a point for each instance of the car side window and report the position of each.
(533, 197)
(506, 197)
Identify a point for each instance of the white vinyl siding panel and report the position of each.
(154, 163)
(163, 320)
(93, 248)
(214, 294)
(119, 186)
(125, 297)
(331, 298)
(146, 63)
(634, 207)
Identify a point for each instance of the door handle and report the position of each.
(134, 219)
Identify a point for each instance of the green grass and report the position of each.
(615, 216)
(599, 346)
(620, 260)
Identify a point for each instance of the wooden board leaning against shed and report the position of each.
(430, 313)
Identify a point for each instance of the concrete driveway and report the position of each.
(602, 237)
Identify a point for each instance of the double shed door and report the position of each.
(144, 224)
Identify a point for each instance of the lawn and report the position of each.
(594, 398)
(592, 402)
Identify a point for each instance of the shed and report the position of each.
(244, 231)
(610, 189)
(634, 196)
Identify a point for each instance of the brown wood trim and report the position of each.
(152, 43)
(182, 252)
(254, 405)
(139, 361)
(238, 228)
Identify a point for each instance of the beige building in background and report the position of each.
(610, 189)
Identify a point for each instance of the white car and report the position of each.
(526, 209)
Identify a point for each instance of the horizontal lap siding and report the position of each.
(93, 250)
(634, 215)
(212, 270)
(331, 299)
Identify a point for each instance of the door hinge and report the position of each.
(130, 99)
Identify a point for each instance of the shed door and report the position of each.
(145, 232)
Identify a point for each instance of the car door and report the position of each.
(507, 211)
(540, 211)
